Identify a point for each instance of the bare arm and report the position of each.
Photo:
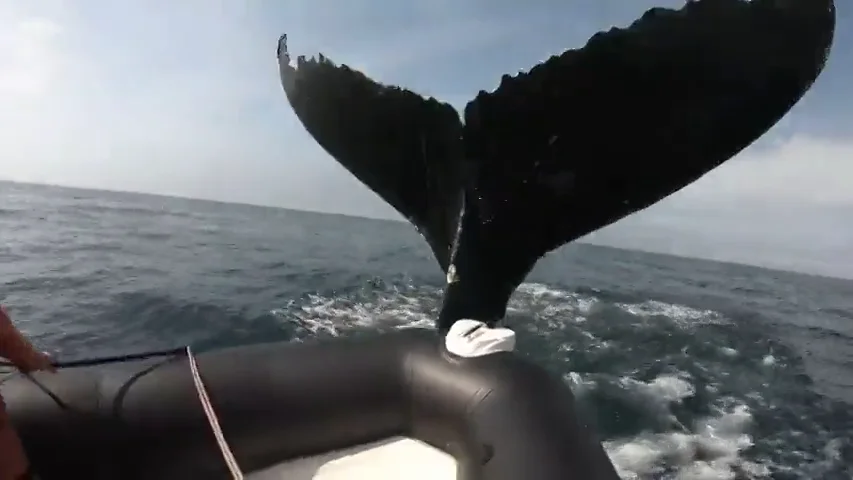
(15, 347)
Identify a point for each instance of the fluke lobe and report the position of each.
(577, 143)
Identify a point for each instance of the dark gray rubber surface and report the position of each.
(502, 417)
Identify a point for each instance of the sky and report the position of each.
(183, 98)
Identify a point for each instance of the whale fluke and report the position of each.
(400, 145)
(575, 144)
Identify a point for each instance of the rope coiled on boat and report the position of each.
(198, 383)
(227, 454)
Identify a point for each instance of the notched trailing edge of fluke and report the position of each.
(398, 143)
(580, 141)
(825, 9)
(692, 87)
(598, 133)
(288, 73)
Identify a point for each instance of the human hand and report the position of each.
(19, 350)
(36, 361)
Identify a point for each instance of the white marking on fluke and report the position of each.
(471, 338)
(451, 274)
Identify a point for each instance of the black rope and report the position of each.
(88, 362)
(61, 403)
(171, 354)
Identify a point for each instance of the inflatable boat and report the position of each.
(409, 404)
(491, 196)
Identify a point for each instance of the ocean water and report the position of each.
(691, 369)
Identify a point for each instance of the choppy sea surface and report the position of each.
(692, 369)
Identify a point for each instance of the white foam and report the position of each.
(678, 313)
(334, 316)
(554, 301)
(391, 459)
(664, 389)
(728, 351)
(709, 448)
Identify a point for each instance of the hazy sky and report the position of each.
(183, 97)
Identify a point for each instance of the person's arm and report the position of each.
(17, 349)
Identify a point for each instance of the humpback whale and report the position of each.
(578, 142)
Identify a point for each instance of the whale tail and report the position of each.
(577, 143)
(400, 145)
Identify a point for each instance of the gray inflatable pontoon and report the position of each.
(492, 188)
(410, 405)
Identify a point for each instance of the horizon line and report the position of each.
(402, 220)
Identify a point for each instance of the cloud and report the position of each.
(184, 98)
(783, 205)
(23, 45)
(119, 107)
(799, 170)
